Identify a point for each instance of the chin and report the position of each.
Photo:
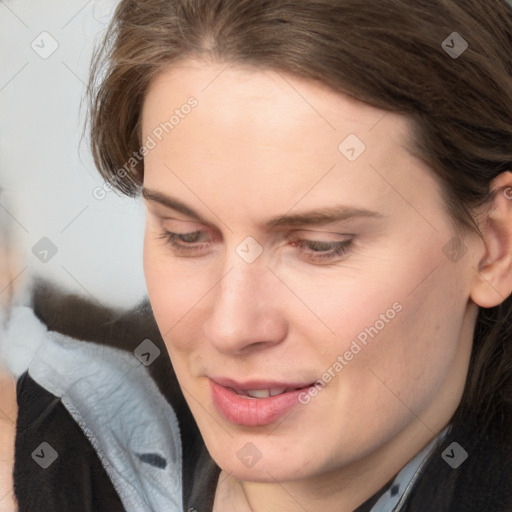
(265, 472)
(259, 460)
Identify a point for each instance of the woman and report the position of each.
(328, 246)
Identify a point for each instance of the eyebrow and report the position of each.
(317, 216)
(169, 202)
(322, 216)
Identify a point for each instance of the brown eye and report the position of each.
(321, 251)
(191, 238)
(187, 243)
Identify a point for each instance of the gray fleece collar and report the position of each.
(118, 406)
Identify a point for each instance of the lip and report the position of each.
(254, 412)
(258, 384)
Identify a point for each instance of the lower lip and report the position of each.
(253, 412)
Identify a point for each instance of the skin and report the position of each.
(262, 144)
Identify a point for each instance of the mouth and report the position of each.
(264, 393)
(255, 404)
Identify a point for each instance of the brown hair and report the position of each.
(387, 53)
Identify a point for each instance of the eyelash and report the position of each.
(335, 249)
(171, 238)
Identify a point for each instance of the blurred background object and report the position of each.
(70, 228)
(58, 220)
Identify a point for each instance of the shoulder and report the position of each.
(75, 328)
(471, 470)
(85, 369)
(8, 415)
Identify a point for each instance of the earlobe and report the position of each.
(493, 275)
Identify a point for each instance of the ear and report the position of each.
(493, 278)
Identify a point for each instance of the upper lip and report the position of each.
(252, 384)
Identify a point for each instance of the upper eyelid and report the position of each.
(333, 244)
(191, 231)
(319, 234)
(284, 231)
(195, 226)
(295, 234)
(338, 228)
(156, 210)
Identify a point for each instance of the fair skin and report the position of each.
(259, 145)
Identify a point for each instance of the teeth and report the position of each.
(258, 393)
(277, 391)
(265, 393)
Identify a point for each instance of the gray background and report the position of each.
(48, 180)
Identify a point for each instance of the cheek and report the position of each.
(162, 284)
(401, 338)
(404, 365)
(175, 292)
(397, 375)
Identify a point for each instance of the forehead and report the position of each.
(271, 96)
(266, 132)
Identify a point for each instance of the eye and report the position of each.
(187, 243)
(319, 251)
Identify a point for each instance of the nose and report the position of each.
(246, 311)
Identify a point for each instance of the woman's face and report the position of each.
(292, 239)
